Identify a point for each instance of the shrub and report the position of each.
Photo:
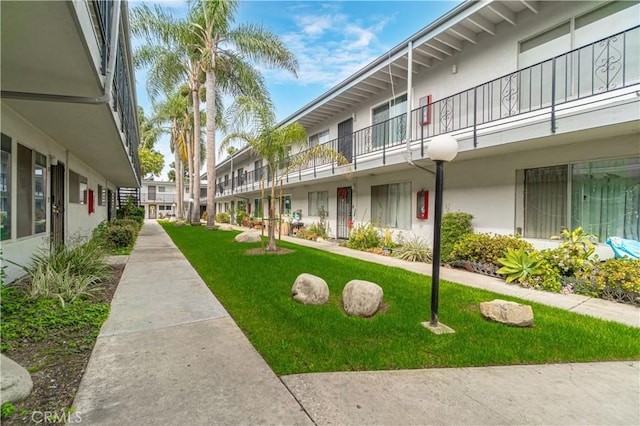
(364, 236)
(83, 259)
(120, 236)
(486, 248)
(307, 233)
(67, 273)
(126, 222)
(223, 217)
(130, 211)
(317, 228)
(205, 215)
(615, 274)
(240, 216)
(414, 250)
(455, 225)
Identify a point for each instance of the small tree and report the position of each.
(273, 144)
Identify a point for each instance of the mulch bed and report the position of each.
(56, 377)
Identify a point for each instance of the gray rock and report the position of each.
(361, 298)
(15, 381)
(248, 237)
(310, 290)
(226, 227)
(506, 312)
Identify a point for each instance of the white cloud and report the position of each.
(330, 46)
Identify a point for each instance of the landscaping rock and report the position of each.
(510, 313)
(361, 298)
(248, 237)
(15, 381)
(310, 290)
(225, 227)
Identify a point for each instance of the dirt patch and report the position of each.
(55, 369)
(260, 251)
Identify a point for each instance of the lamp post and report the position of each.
(441, 149)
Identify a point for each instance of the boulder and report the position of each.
(225, 227)
(506, 312)
(310, 290)
(248, 237)
(15, 381)
(361, 298)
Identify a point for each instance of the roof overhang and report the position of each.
(435, 43)
(45, 50)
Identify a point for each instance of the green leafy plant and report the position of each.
(67, 272)
(364, 236)
(455, 225)
(414, 250)
(517, 264)
(615, 274)
(240, 216)
(223, 217)
(486, 248)
(130, 211)
(7, 410)
(120, 236)
(577, 241)
(387, 239)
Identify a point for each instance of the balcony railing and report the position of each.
(122, 92)
(600, 67)
(159, 198)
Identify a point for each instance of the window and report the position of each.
(257, 171)
(240, 175)
(5, 189)
(162, 189)
(545, 201)
(286, 204)
(39, 195)
(31, 192)
(100, 195)
(77, 188)
(389, 121)
(604, 199)
(317, 201)
(391, 205)
(319, 138)
(257, 211)
(151, 193)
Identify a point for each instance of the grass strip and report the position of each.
(295, 338)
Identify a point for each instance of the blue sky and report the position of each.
(330, 39)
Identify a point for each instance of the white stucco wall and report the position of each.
(78, 222)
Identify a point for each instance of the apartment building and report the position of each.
(69, 124)
(542, 97)
(160, 199)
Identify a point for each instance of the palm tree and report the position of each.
(174, 112)
(172, 61)
(224, 52)
(273, 144)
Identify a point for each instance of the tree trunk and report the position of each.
(195, 183)
(179, 185)
(271, 245)
(190, 173)
(210, 86)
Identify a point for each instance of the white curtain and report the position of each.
(545, 201)
(391, 205)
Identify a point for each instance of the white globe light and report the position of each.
(443, 148)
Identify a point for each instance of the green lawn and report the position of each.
(295, 338)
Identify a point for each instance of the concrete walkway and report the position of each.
(170, 354)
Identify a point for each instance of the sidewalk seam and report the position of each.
(126, 333)
(304, 409)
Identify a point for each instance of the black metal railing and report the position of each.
(600, 67)
(104, 14)
(605, 65)
(158, 197)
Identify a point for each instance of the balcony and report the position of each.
(61, 92)
(602, 71)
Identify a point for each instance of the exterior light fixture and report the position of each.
(441, 149)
